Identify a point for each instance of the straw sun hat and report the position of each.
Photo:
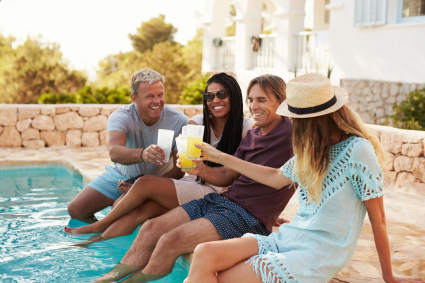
(311, 95)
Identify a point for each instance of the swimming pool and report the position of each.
(33, 246)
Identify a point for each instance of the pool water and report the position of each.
(33, 246)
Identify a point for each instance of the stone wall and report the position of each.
(37, 126)
(74, 125)
(374, 100)
(405, 164)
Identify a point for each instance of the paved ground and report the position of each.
(405, 211)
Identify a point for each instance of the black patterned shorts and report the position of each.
(229, 218)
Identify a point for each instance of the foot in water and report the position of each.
(92, 240)
(88, 229)
(118, 272)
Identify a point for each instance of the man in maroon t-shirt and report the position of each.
(246, 207)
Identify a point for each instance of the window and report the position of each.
(411, 10)
(370, 12)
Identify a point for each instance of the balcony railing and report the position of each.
(265, 55)
(312, 53)
(225, 55)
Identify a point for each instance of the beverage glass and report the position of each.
(185, 164)
(165, 141)
(195, 134)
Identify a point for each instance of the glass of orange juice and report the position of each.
(185, 163)
(195, 134)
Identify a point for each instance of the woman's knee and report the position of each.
(206, 255)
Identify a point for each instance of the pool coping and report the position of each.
(89, 162)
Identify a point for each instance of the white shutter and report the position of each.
(370, 12)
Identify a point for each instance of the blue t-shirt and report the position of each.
(138, 134)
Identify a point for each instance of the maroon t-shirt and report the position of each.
(272, 150)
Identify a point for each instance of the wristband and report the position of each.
(141, 155)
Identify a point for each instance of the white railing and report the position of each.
(265, 55)
(225, 55)
(312, 53)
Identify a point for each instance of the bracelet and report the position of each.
(141, 155)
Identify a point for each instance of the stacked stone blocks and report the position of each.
(38, 126)
(405, 163)
(374, 100)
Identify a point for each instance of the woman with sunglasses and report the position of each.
(337, 165)
(152, 196)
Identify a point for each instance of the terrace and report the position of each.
(404, 181)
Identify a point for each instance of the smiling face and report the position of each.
(149, 101)
(263, 106)
(219, 108)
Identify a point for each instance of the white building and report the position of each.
(353, 40)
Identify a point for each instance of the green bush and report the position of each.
(410, 113)
(88, 95)
(193, 92)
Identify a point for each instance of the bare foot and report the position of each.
(119, 271)
(88, 229)
(92, 240)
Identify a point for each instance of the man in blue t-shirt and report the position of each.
(131, 140)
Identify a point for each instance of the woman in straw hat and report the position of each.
(337, 166)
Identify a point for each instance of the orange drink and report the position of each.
(193, 152)
(185, 164)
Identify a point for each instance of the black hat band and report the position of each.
(314, 109)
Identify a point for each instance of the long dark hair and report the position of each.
(232, 132)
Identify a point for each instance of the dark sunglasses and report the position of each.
(209, 96)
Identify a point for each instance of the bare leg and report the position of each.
(213, 257)
(178, 241)
(87, 203)
(126, 224)
(141, 249)
(159, 189)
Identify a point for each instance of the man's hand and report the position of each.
(124, 186)
(154, 154)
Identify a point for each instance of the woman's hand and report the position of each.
(209, 153)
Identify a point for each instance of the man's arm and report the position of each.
(118, 152)
(124, 155)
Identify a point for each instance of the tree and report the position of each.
(192, 54)
(167, 58)
(33, 68)
(193, 92)
(152, 32)
(116, 70)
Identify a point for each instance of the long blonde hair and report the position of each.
(312, 139)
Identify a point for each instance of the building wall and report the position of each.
(391, 52)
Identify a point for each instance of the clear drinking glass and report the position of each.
(185, 164)
(165, 141)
